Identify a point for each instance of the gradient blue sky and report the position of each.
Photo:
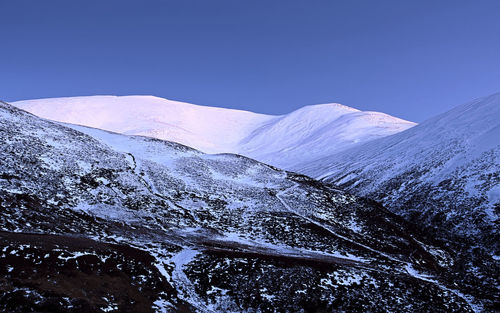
(411, 59)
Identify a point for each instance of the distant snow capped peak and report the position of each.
(304, 135)
(328, 106)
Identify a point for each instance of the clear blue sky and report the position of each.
(412, 59)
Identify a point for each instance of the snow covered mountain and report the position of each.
(454, 158)
(443, 173)
(94, 221)
(284, 141)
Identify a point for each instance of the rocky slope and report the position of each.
(93, 221)
(284, 141)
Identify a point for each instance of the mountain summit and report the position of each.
(285, 141)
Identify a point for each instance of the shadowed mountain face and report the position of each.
(94, 221)
(443, 174)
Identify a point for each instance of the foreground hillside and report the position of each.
(93, 221)
(443, 173)
(283, 141)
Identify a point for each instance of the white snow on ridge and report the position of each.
(456, 137)
(209, 129)
(300, 137)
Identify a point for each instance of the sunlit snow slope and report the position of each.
(285, 141)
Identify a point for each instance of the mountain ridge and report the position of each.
(281, 140)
